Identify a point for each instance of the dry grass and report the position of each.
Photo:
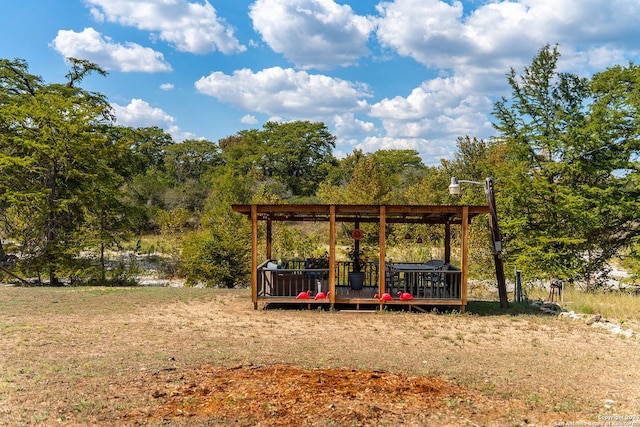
(621, 307)
(105, 356)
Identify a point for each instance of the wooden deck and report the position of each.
(430, 287)
(450, 289)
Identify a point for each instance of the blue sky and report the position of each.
(402, 74)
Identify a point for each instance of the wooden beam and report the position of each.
(496, 239)
(418, 214)
(390, 220)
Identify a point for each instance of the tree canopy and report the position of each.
(569, 174)
(54, 158)
(72, 182)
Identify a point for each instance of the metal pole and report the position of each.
(518, 285)
(497, 243)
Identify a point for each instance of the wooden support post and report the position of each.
(269, 238)
(447, 243)
(254, 256)
(464, 251)
(382, 269)
(332, 255)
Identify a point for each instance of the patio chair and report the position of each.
(434, 277)
(391, 280)
(434, 281)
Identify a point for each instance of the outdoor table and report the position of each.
(411, 273)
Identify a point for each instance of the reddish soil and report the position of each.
(287, 396)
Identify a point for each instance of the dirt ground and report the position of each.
(162, 356)
(288, 396)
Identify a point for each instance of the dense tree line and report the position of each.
(73, 185)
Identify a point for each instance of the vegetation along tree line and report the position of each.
(74, 186)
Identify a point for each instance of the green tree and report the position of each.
(381, 177)
(614, 146)
(190, 164)
(53, 151)
(147, 183)
(296, 154)
(403, 167)
(561, 215)
(474, 160)
(218, 251)
(191, 159)
(149, 147)
(370, 183)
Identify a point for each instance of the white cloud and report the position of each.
(429, 31)
(347, 125)
(312, 33)
(469, 49)
(374, 143)
(432, 117)
(140, 114)
(501, 34)
(92, 46)
(284, 92)
(190, 27)
(166, 86)
(249, 119)
(437, 106)
(472, 50)
(178, 135)
(97, 15)
(600, 58)
(431, 150)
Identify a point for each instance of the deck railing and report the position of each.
(443, 283)
(293, 279)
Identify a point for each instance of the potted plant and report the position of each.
(356, 275)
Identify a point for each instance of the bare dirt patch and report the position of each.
(167, 356)
(285, 395)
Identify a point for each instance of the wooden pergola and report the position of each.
(357, 214)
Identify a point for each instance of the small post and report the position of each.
(518, 287)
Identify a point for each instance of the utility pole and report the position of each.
(496, 237)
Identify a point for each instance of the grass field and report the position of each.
(621, 307)
(181, 356)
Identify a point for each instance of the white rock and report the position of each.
(593, 319)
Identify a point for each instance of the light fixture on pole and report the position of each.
(454, 189)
